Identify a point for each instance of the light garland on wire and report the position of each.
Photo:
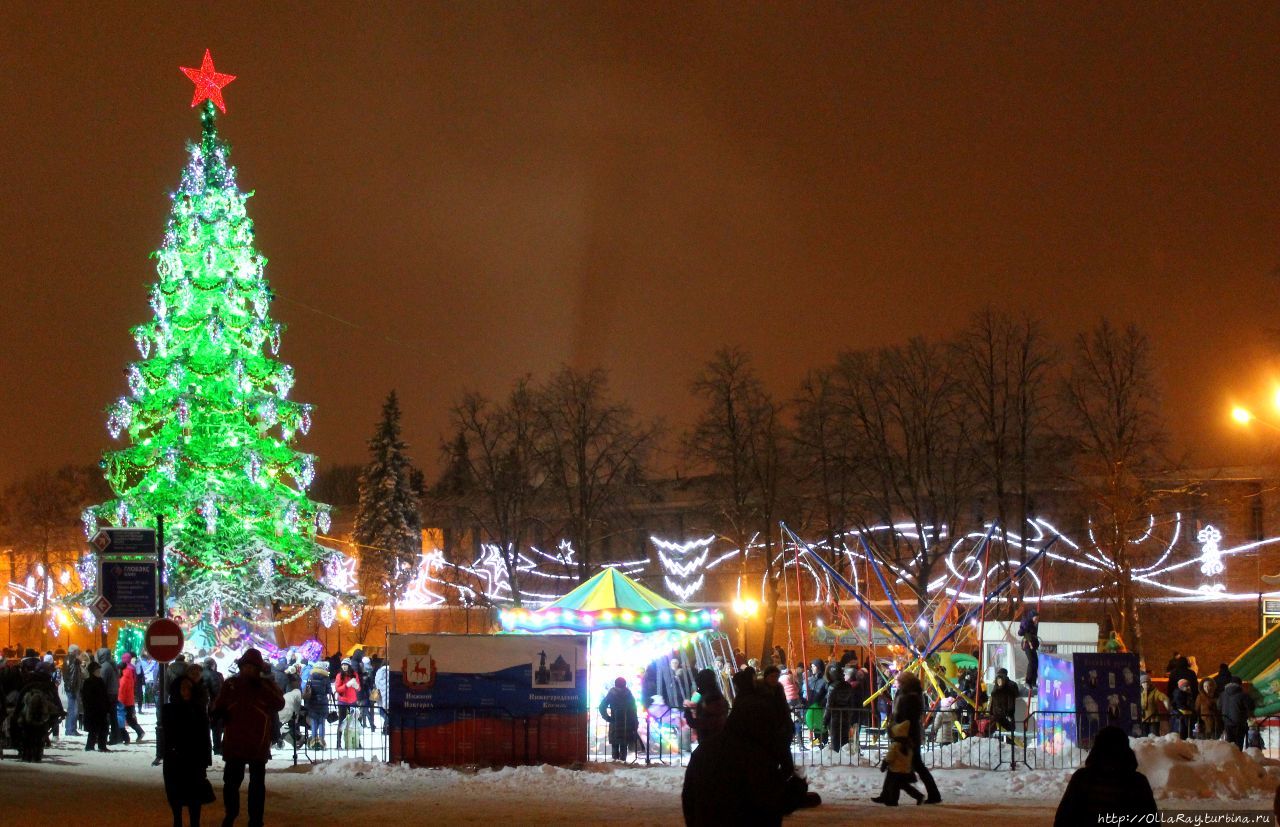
(575, 621)
(683, 565)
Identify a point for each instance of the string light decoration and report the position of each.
(572, 621)
(1211, 564)
(208, 422)
(683, 565)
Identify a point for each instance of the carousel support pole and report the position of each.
(804, 654)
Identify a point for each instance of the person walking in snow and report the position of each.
(126, 702)
(840, 709)
(187, 753)
(909, 707)
(1108, 784)
(618, 708)
(247, 704)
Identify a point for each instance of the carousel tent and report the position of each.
(636, 635)
(611, 600)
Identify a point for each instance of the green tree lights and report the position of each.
(208, 416)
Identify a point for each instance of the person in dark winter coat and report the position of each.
(72, 681)
(1237, 707)
(248, 704)
(110, 675)
(909, 707)
(739, 777)
(97, 707)
(1183, 671)
(772, 688)
(1221, 679)
(619, 708)
(315, 703)
(707, 715)
(1029, 631)
(36, 712)
(1004, 700)
(207, 691)
(186, 752)
(1183, 703)
(1108, 784)
(840, 709)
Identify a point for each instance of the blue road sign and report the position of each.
(127, 589)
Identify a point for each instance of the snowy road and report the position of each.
(122, 788)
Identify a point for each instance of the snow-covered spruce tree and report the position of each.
(388, 523)
(208, 420)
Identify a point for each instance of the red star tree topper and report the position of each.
(208, 82)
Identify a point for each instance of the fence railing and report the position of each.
(1043, 739)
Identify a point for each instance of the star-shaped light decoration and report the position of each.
(208, 82)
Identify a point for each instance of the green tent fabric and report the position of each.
(1260, 665)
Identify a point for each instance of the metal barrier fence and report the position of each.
(1044, 739)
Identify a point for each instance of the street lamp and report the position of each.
(744, 608)
(343, 614)
(1244, 417)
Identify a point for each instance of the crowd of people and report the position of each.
(1216, 707)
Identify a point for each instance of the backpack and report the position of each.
(37, 709)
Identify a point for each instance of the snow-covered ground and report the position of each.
(122, 788)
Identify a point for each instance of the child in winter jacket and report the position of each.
(897, 767)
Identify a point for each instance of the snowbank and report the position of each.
(1203, 769)
(1178, 770)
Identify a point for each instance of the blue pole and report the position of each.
(842, 582)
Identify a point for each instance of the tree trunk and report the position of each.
(770, 615)
(392, 604)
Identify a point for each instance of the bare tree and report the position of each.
(1004, 366)
(1118, 433)
(901, 412)
(739, 438)
(493, 453)
(39, 522)
(589, 449)
(823, 459)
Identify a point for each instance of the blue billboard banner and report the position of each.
(1107, 693)
(487, 698)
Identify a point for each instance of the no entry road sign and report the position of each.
(163, 640)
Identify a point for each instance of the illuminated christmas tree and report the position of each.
(208, 418)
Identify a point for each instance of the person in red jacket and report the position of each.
(346, 688)
(126, 700)
(247, 704)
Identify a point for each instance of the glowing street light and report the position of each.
(744, 608)
(1244, 416)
